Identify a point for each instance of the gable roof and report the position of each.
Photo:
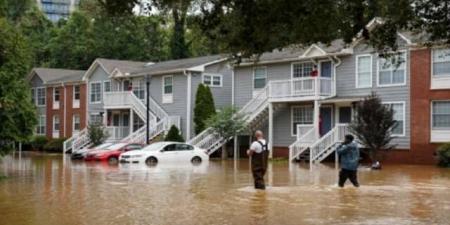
(179, 65)
(112, 66)
(51, 75)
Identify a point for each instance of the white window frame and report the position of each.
(41, 124)
(301, 63)
(56, 102)
(357, 70)
(95, 115)
(292, 117)
(432, 113)
(167, 98)
(105, 85)
(55, 133)
(37, 96)
(405, 71)
(138, 85)
(75, 101)
(265, 77)
(90, 92)
(212, 75)
(403, 134)
(432, 64)
(73, 123)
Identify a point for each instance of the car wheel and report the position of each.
(196, 160)
(151, 161)
(113, 160)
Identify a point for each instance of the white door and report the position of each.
(185, 152)
(169, 153)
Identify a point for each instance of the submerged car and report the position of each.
(111, 153)
(81, 153)
(166, 152)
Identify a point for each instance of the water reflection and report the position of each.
(47, 189)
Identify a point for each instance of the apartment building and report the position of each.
(60, 99)
(57, 9)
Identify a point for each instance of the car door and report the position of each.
(185, 152)
(169, 153)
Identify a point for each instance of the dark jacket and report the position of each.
(349, 154)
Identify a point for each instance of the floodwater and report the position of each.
(47, 189)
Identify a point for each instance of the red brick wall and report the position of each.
(70, 111)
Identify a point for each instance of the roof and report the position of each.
(50, 75)
(125, 66)
(180, 65)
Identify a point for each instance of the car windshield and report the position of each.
(102, 146)
(155, 146)
(116, 146)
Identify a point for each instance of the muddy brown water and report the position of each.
(48, 189)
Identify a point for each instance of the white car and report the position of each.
(165, 152)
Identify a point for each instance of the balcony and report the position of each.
(305, 88)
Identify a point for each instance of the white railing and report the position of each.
(327, 143)
(254, 106)
(81, 140)
(140, 135)
(117, 133)
(306, 136)
(301, 87)
(121, 99)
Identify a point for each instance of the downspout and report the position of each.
(232, 85)
(188, 104)
(339, 62)
(65, 110)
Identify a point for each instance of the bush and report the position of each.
(97, 133)
(55, 145)
(38, 142)
(443, 153)
(174, 135)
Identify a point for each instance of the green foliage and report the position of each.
(227, 123)
(373, 124)
(443, 153)
(38, 142)
(54, 145)
(174, 135)
(204, 107)
(13, 10)
(17, 113)
(97, 133)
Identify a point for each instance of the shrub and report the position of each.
(55, 145)
(97, 133)
(38, 142)
(443, 154)
(204, 108)
(174, 135)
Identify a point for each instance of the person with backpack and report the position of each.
(259, 153)
(349, 155)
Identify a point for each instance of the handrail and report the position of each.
(302, 143)
(322, 145)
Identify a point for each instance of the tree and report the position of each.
(174, 135)
(13, 10)
(204, 107)
(17, 112)
(373, 125)
(227, 123)
(97, 133)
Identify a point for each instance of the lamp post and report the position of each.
(147, 131)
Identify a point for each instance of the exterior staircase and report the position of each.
(77, 141)
(306, 136)
(255, 113)
(328, 143)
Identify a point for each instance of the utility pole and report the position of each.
(147, 131)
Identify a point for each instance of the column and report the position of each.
(131, 121)
(316, 117)
(270, 136)
(236, 147)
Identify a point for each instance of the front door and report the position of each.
(325, 120)
(325, 69)
(345, 114)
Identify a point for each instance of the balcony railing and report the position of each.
(117, 133)
(301, 87)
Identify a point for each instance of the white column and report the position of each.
(131, 121)
(236, 147)
(270, 130)
(316, 117)
(188, 107)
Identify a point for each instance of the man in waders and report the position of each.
(259, 153)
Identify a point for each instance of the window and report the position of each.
(76, 122)
(441, 62)
(184, 147)
(55, 123)
(107, 86)
(41, 96)
(171, 147)
(302, 69)
(76, 92)
(56, 94)
(399, 116)
(40, 129)
(33, 95)
(301, 115)
(392, 71)
(95, 118)
(364, 71)
(96, 92)
(259, 78)
(168, 85)
(139, 88)
(440, 114)
(212, 80)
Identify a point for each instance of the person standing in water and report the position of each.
(259, 153)
(349, 154)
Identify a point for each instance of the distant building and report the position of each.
(57, 9)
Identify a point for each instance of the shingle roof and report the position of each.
(177, 65)
(50, 75)
(125, 66)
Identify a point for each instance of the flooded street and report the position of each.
(46, 189)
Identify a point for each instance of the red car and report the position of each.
(111, 154)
